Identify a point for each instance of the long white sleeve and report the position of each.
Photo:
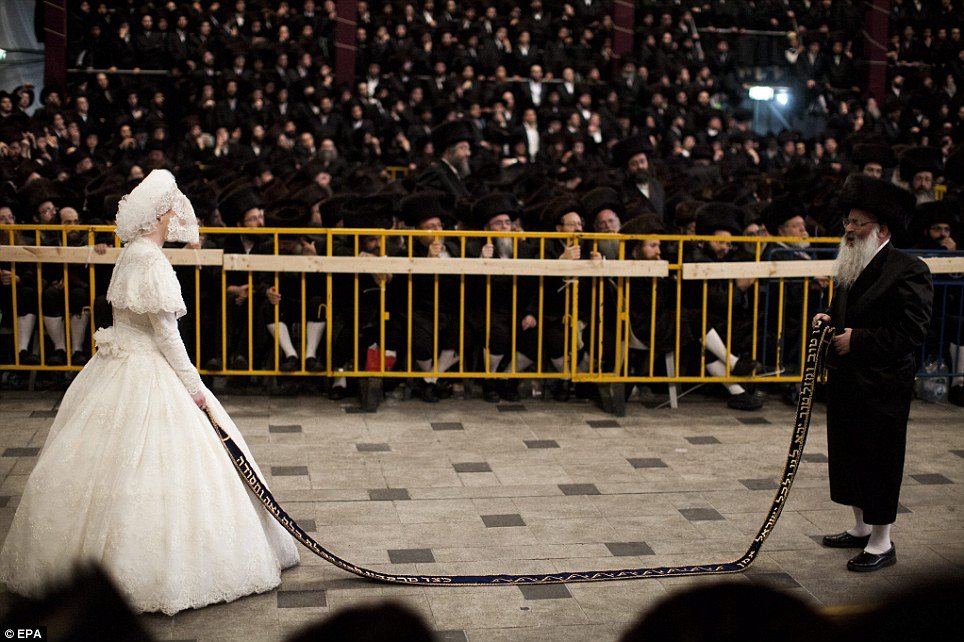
(169, 342)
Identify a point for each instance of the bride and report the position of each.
(132, 476)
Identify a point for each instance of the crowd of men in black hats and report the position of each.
(501, 116)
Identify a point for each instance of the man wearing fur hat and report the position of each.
(631, 157)
(920, 167)
(881, 310)
(451, 141)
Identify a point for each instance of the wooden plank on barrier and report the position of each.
(795, 269)
(404, 265)
(86, 255)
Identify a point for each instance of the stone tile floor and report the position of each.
(461, 487)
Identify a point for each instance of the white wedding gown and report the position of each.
(132, 475)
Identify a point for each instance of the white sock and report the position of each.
(55, 330)
(284, 339)
(559, 363)
(717, 369)
(339, 382)
(957, 362)
(425, 365)
(313, 338)
(715, 346)
(522, 362)
(25, 326)
(494, 361)
(879, 539)
(861, 528)
(78, 330)
(446, 359)
(583, 363)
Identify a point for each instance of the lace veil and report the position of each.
(137, 212)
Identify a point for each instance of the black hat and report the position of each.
(649, 223)
(780, 210)
(954, 167)
(288, 213)
(626, 149)
(920, 159)
(492, 205)
(946, 211)
(334, 209)
(235, 203)
(599, 199)
(685, 212)
(422, 206)
(558, 207)
(715, 216)
(891, 205)
(369, 212)
(881, 154)
(451, 132)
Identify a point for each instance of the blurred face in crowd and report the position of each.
(458, 156)
(254, 217)
(607, 221)
(435, 224)
(647, 250)
(82, 104)
(922, 182)
(68, 216)
(6, 216)
(876, 170)
(136, 173)
(46, 212)
(720, 248)
(796, 226)
(147, 23)
(570, 222)
(638, 166)
(937, 232)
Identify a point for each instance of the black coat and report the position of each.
(439, 176)
(870, 389)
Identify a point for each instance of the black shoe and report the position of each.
(791, 396)
(430, 393)
(745, 367)
(78, 358)
(510, 391)
(867, 562)
(443, 389)
(313, 364)
(28, 359)
(239, 362)
(845, 540)
(490, 392)
(214, 363)
(744, 401)
(57, 358)
(955, 395)
(560, 391)
(337, 393)
(290, 364)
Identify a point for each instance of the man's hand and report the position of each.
(949, 244)
(571, 252)
(820, 316)
(274, 297)
(100, 248)
(435, 249)
(841, 342)
(240, 294)
(6, 277)
(308, 248)
(488, 250)
(528, 322)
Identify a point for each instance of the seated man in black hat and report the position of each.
(423, 211)
(452, 144)
(920, 167)
(631, 157)
(495, 213)
(881, 309)
(873, 159)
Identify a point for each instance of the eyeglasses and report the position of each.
(854, 223)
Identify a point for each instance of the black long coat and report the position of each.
(870, 389)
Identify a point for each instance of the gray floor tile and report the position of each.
(603, 423)
(472, 467)
(284, 428)
(775, 580)
(959, 453)
(647, 462)
(43, 413)
(373, 448)
(579, 489)
(288, 471)
(814, 458)
(502, 521)
(700, 514)
(931, 479)
(308, 525)
(753, 421)
(545, 592)
(447, 425)
(903, 510)
(759, 484)
(703, 440)
(301, 599)
(21, 452)
(541, 443)
(511, 407)
(4, 500)
(411, 556)
(356, 410)
(451, 636)
(388, 494)
(629, 549)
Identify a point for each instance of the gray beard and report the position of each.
(503, 247)
(852, 259)
(609, 248)
(462, 167)
(924, 196)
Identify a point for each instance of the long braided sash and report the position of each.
(816, 350)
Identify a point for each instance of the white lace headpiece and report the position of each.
(138, 211)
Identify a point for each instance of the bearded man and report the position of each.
(452, 143)
(881, 310)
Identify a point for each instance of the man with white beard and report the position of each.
(920, 167)
(881, 310)
(452, 143)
